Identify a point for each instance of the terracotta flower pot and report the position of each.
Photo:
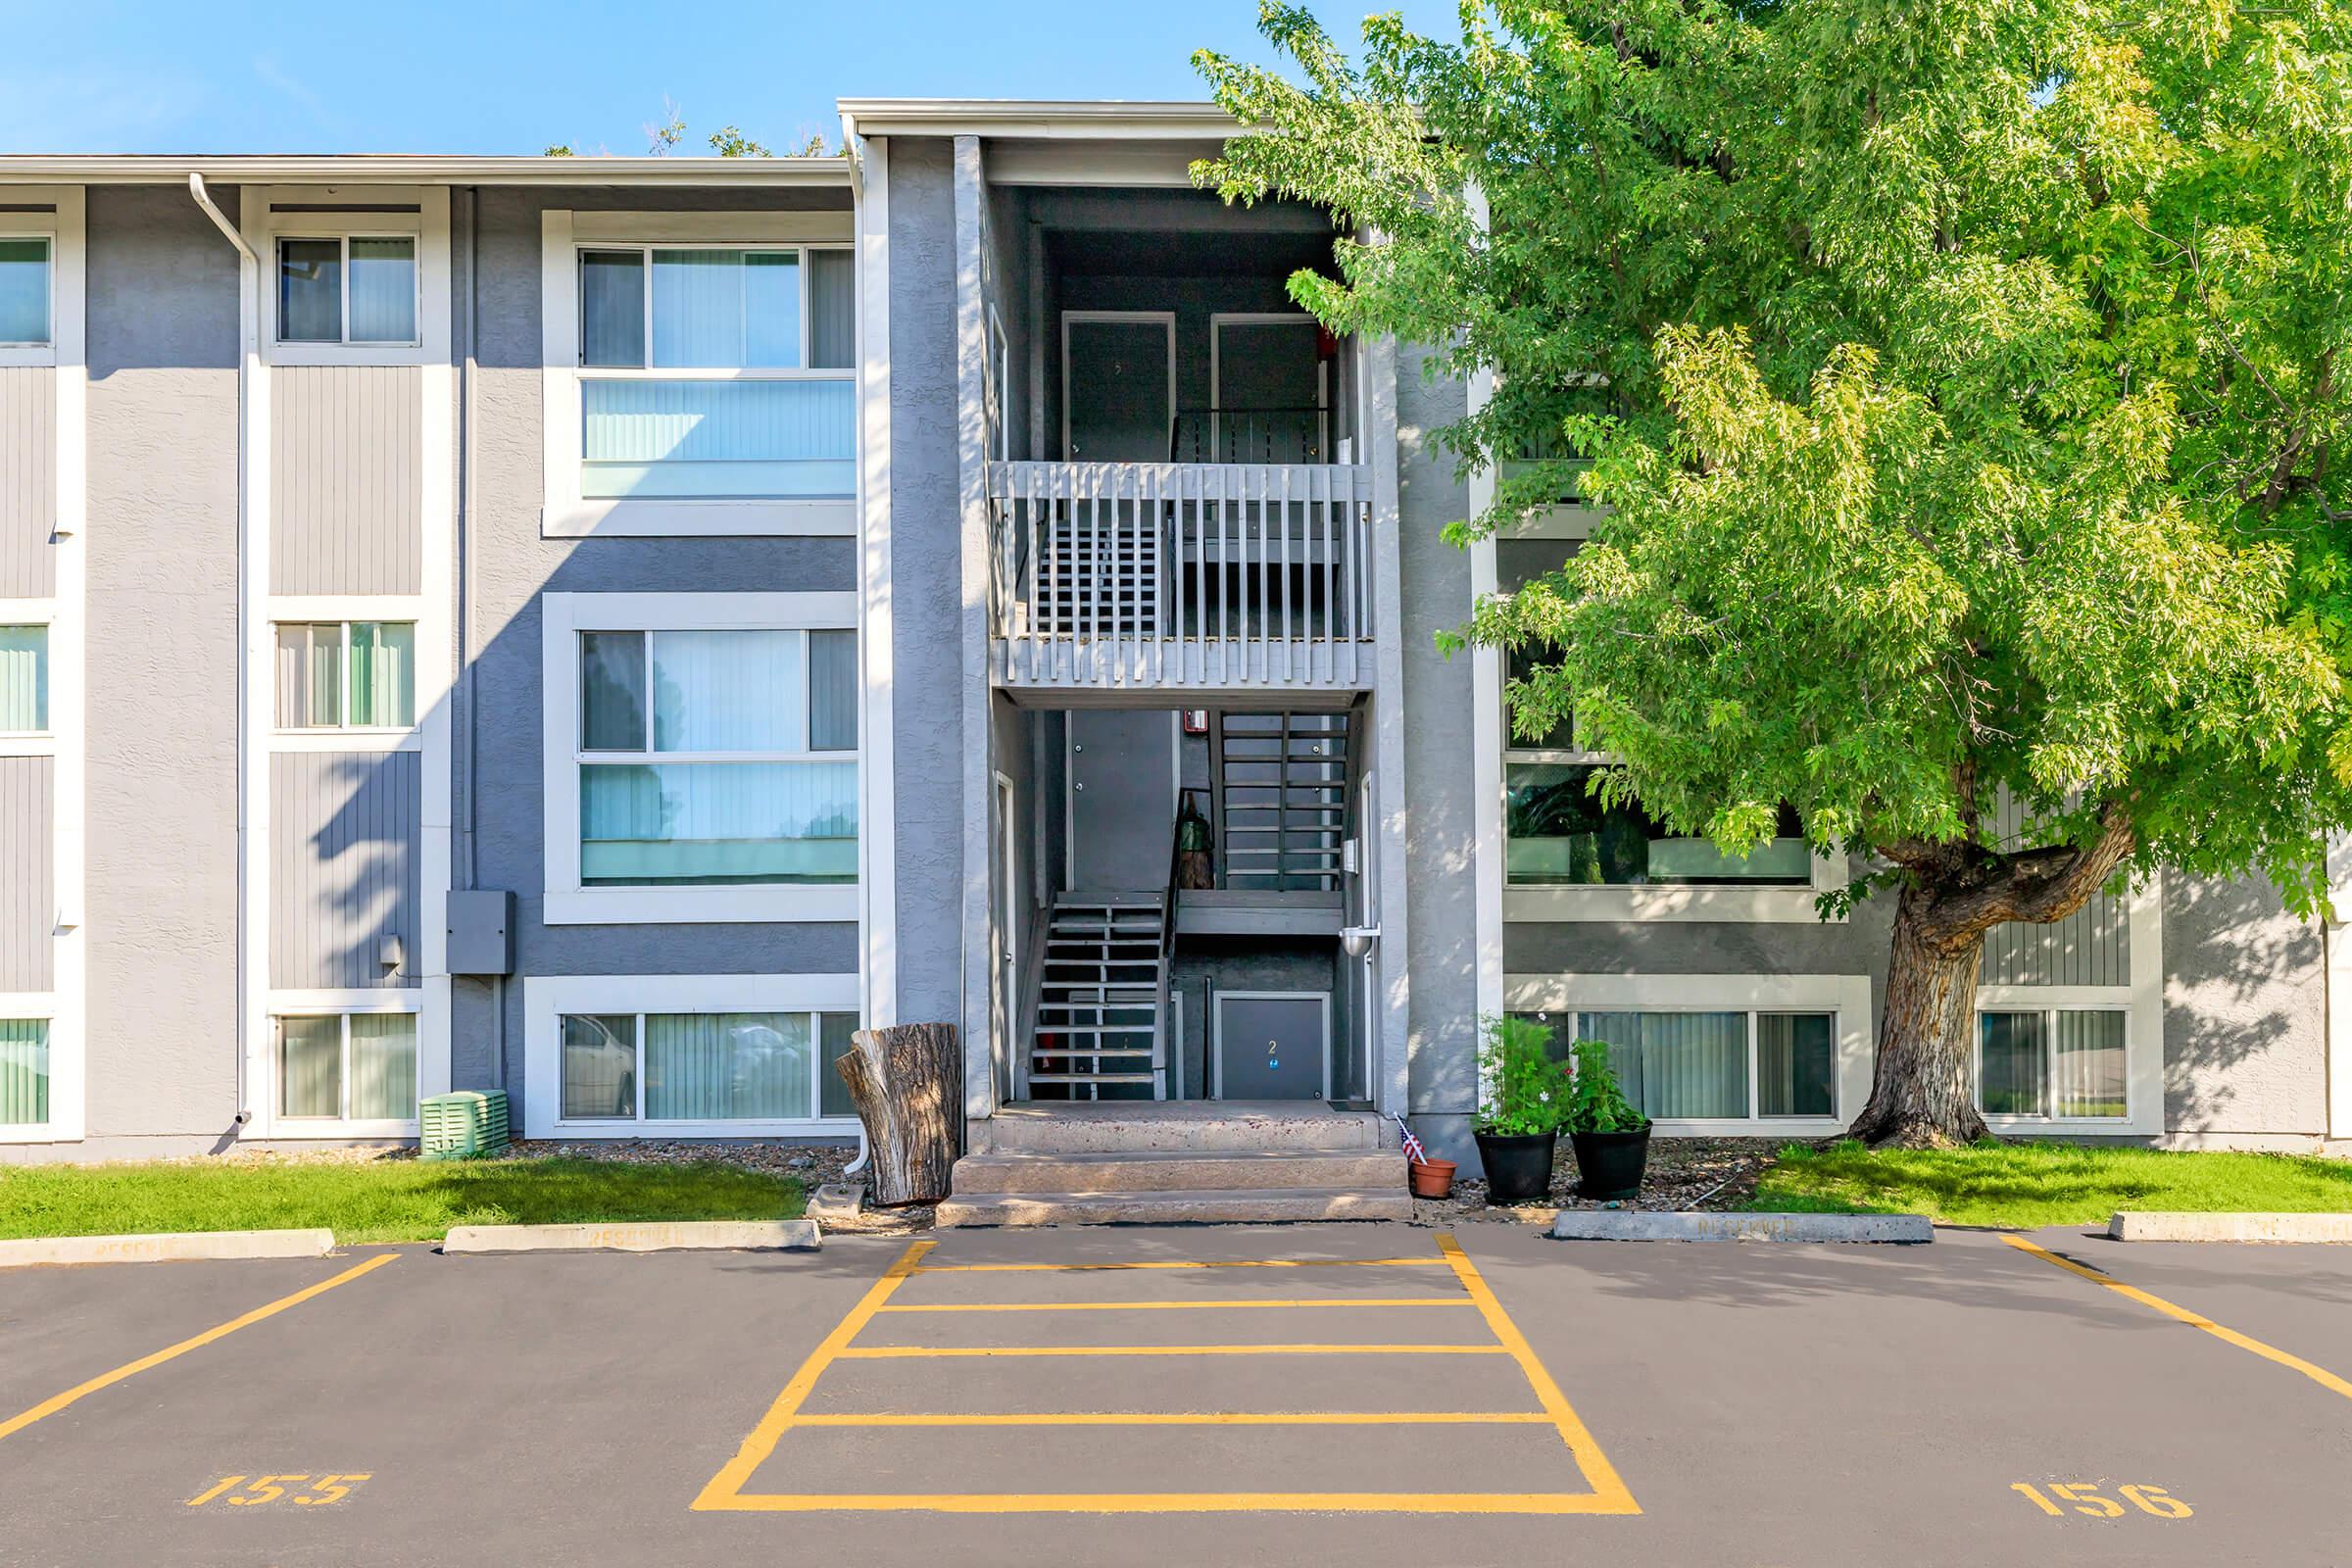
(1431, 1178)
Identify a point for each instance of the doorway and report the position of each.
(1270, 1045)
(1122, 797)
(1269, 388)
(1118, 385)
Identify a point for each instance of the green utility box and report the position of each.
(466, 1125)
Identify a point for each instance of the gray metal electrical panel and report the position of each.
(481, 931)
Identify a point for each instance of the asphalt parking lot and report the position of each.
(1367, 1394)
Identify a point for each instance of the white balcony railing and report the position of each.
(1184, 576)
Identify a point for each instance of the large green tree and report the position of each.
(1964, 383)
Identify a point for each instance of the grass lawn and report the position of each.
(379, 1201)
(2047, 1184)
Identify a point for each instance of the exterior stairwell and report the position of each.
(1103, 996)
(1176, 1162)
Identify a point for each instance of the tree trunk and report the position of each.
(1922, 1092)
(906, 1082)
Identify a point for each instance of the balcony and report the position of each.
(1219, 579)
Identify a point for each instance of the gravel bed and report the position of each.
(1706, 1173)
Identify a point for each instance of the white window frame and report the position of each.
(548, 998)
(272, 1120)
(42, 226)
(344, 732)
(343, 236)
(18, 1005)
(2048, 1010)
(347, 213)
(1846, 997)
(44, 613)
(563, 618)
(567, 514)
(2143, 1004)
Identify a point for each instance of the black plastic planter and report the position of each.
(1518, 1168)
(1609, 1165)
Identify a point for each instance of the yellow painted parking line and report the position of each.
(50, 1407)
(922, 1352)
(1235, 1262)
(1193, 1418)
(1212, 1303)
(2181, 1314)
(725, 1488)
(1607, 1493)
(1600, 1474)
(1535, 1502)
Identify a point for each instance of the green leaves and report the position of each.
(1964, 383)
(1523, 1091)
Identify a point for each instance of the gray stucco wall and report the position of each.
(161, 905)
(926, 570)
(2245, 1012)
(514, 566)
(27, 480)
(1441, 833)
(347, 480)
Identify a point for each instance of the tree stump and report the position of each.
(906, 1082)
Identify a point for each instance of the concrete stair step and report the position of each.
(1192, 1206)
(1133, 1171)
(1178, 1126)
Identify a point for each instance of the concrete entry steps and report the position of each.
(1174, 1163)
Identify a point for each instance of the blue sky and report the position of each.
(432, 75)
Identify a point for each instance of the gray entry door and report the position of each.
(1273, 1046)
(1122, 798)
(1115, 389)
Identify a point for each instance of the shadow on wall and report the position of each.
(2245, 1010)
(357, 886)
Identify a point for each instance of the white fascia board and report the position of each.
(425, 170)
(1091, 119)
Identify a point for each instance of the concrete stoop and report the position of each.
(1176, 1162)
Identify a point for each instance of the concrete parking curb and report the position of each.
(2178, 1226)
(1690, 1225)
(170, 1248)
(714, 1235)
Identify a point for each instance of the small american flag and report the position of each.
(1412, 1146)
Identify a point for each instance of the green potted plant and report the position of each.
(1525, 1103)
(1611, 1138)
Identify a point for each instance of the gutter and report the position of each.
(412, 168)
(249, 271)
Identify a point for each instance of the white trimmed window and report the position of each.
(342, 1068)
(1701, 1053)
(26, 290)
(25, 679)
(701, 373)
(703, 757)
(2054, 1064)
(23, 1073)
(351, 675)
(670, 1055)
(347, 288)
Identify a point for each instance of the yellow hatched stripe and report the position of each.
(920, 1353)
(1193, 1418)
(721, 1489)
(1245, 1262)
(2181, 1314)
(1600, 1475)
(50, 1407)
(1222, 1303)
(1535, 1502)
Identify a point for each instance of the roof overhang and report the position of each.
(1030, 119)
(423, 169)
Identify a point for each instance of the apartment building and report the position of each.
(606, 627)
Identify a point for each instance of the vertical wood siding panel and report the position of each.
(347, 454)
(28, 889)
(2092, 947)
(27, 480)
(345, 827)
